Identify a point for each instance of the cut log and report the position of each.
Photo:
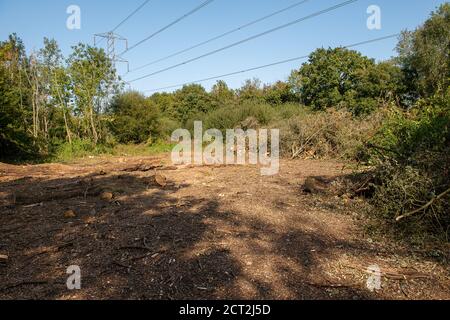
(142, 168)
(28, 197)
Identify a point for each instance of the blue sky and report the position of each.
(33, 20)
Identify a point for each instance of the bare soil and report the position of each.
(212, 232)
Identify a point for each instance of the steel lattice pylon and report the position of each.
(111, 41)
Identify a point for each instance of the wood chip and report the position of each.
(161, 180)
(3, 257)
(69, 214)
(106, 196)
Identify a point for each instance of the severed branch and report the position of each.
(393, 275)
(425, 207)
(295, 154)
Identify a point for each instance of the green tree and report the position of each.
(165, 102)
(279, 93)
(424, 56)
(56, 90)
(190, 100)
(16, 139)
(222, 95)
(92, 77)
(251, 90)
(135, 118)
(343, 78)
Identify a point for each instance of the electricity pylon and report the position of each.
(111, 41)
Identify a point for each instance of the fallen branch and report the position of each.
(393, 275)
(28, 197)
(303, 147)
(425, 207)
(23, 283)
(142, 168)
(325, 285)
(135, 248)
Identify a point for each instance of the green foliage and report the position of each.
(413, 151)
(15, 140)
(143, 149)
(248, 115)
(135, 118)
(412, 148)
(191, 99)
(279, 94)
(167, 126)
(79, 148)
(222, 96)
(343, 78)
(251, 91)
(92, 75)
(424, 56)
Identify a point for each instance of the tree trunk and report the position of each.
(94, 131)
(69, 136)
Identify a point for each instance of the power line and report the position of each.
(127, 18)
(204, 4)
(221, 35)
(345, 3)
(131, 15)
(270, 64)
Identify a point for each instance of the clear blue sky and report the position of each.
(32, 20)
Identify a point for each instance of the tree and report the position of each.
(222, 95)
(424, 56)
(279, 93)
(15, 138)
(92, 77)
(165, 102)
(135, 118)
(55, 88)
(251, 91)
(342, 78)
(190, 100)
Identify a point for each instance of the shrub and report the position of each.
(328, 134)
(135, 118)
(413, 154)
(231, 117)
(79, 148)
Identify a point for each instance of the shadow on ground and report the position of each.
(149, 243)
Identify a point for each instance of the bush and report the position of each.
(135, 118)
(231, 117)
(328, 134)
(79, 149)
(413, 154)
(166, 127)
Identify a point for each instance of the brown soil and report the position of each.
(196, 233)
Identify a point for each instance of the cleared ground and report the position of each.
(206, 233)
